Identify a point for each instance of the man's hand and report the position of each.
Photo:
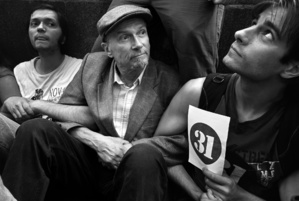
(18, 107)
(111, 150)
(222, 187)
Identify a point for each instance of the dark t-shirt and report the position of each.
(251, 157)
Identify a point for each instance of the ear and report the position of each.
(105, 46)
(291, 71)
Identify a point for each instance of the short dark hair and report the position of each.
(290, 27)
(61, 20)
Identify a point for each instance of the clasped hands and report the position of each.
(111, 150)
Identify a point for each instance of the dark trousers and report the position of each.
(46, 163)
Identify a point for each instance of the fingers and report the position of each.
(110, 165)
(214, 177)
(19, 107)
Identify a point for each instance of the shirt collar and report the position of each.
(120, 82)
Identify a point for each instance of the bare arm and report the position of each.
(109, 149)
(175, 118)
(225, 2)
(289, 187)
(173, 122)
(9, 88)
(68, 113)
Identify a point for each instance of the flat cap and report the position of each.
(118, 14)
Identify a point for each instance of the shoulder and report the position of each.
(95, 60)
(24, 67)
(94, 65)
(73, 60)
(5, 72)
(191, 91)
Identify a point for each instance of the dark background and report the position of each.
(82, 17)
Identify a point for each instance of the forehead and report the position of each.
(44, 13)
(276, 15)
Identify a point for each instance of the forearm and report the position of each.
(180, 176)
(86, 136)
(68, 113)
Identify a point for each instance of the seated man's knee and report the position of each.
(143, 156)
(36, 128)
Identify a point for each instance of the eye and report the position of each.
(50, 23)
(124, 37)
(269, 36)
(142, 32)
(34, 23)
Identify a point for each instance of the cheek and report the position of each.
(31, 35)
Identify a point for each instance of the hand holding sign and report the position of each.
(207, 133)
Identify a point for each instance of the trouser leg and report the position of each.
(7, 134)
(142, 175)
(46, 163)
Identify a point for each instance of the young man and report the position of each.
(44, 77)
(262, 100)
(124, 93)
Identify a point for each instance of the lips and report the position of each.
(235, 50)
(41, 38)
(138, 55)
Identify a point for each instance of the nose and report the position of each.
(244, 36)
(41, 27)
(137, 44)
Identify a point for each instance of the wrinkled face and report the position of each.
(44, 30)
(257, 50)
(128, 44)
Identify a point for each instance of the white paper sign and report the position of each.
(207, 135)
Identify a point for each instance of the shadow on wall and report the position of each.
(82, 17)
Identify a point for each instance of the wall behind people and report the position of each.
(82, 18)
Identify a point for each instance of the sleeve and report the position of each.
(173, 148)
(74, 94)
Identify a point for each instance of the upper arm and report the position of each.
(9, 87)
(175, 118)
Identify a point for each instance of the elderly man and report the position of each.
(193, 26)
(124, 93)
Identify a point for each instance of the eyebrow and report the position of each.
(271, 25)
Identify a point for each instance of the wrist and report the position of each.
(36, 106)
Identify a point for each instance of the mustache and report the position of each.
(136, 54)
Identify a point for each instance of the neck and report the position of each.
(255, 98)
(129, 77)
(48, 62)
